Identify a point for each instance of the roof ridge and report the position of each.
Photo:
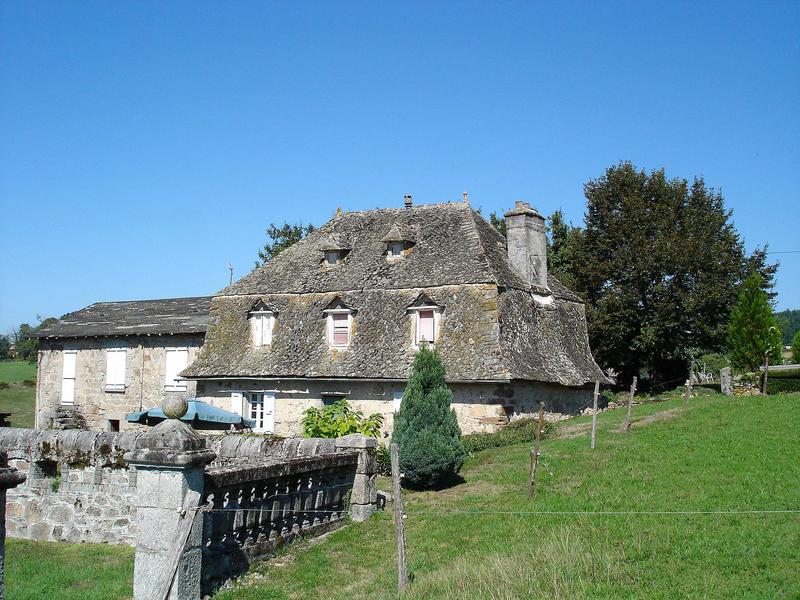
(150, 300)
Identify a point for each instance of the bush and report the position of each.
(516, 432)
(783, 381)
(796, 348)
(426, 429)
(384, 458)
(339, 419)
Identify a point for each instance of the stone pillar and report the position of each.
(725, 381)
(9, 478)
(364, 496)
(170, 462)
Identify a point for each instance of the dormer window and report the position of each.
(332, 257)
(339, 323)
(425, 314)
(398, 241)
(334, 248)
(262, 320)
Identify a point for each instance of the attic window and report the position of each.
(426, 316)
(396, 249)
(333, 257)
(339, 322)
(262, 320)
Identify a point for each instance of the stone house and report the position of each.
(102, 362)
(342, 313)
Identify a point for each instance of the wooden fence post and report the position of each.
(535, 451)
(766, 372)
(594, 411)
(402, 576)
(688, 393)
(627, 425)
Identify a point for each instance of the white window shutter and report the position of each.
(257, 324)
(69, 364)
(236, 402)
(115, 368)
(176, 361)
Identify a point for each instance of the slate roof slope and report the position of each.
(136, 317)
(453, 245)
(492, 329)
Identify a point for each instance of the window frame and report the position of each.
(72, 379)
(116, 386)
(331, 327)
(178, 383)
(392, 246)
(415, 312)
(267, 318)
(331, 253)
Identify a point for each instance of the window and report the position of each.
(332, 257)
(332, 398)
(339, 329)
(261, 323)
(397, 400)
(395, 250)
(260, 407)
(176, 361)
(113, 424)
(426, 325)
(68, 377)
(115, 369)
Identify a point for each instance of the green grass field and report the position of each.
(16, 371)
(18, 399)
(479, 540)
(36, 570)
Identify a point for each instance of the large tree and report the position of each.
(752, 331)
(658, 262)
(281, 238)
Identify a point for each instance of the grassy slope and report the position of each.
(68, 571)
(721, 453)
(16, 370)
(18, 400)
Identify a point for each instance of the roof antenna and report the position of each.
(466, 197)
(230, 268)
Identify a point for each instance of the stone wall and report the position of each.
(144, 378)
(79, 489)
(480, 407)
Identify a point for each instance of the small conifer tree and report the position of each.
(426, 429)
(752, 330)
(796, 348)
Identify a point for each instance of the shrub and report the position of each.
(516, 432)
(426, 429)
(783, 381)
(339, 419)
(796, 348)
(384, 458)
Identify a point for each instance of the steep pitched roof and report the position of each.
(136, 317)
(454, 245)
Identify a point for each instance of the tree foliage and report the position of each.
(752, 331)
(338, 419)
(789, 324)
(5, 348)
(498, 222)
(658, 262)
(563, 249)
(426, 429)
(796, 348)
(281, 238)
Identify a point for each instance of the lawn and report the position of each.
(18, 398)
(37, 570)
(16, 371)
(484, 538)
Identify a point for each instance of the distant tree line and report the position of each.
(21, 344)
(789, 324)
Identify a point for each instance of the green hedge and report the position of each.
(780, 382)
(516, 432)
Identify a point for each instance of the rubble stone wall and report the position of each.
(145, 364)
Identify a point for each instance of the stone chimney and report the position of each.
(407, 201)
(527, 244)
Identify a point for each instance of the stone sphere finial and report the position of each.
(175, 408)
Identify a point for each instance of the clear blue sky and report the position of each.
(143, 145)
